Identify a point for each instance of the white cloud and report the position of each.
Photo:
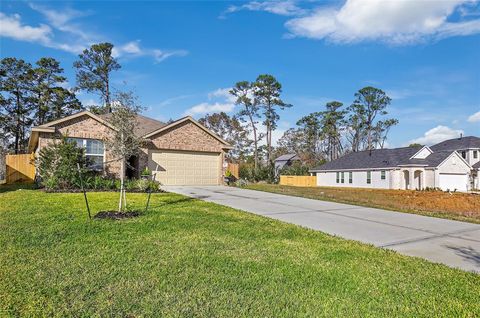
(395, 22)
(286, 8)
(161, 55)
(474, 118)
(89, 102)
(75, 36)
(170, 101)
(12, 27)
(133, 49)
(222, 93)
(62, 20)
(436, 135)
(219, 100)
(204, 108)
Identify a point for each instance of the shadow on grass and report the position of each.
(16, 186)
(177, 201)
(467, 253)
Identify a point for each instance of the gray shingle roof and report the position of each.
(477, 165)
(383, 158)
(467, 142)
(289, 156)
(144, 125)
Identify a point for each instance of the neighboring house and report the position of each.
(179, 153)
(285, 161)
(449, 165)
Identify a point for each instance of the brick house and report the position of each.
(182, 152)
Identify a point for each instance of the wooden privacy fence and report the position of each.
(233, 168)
(20, 168)
(299, 181)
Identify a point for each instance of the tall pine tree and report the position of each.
(16, 87)
(94, 68)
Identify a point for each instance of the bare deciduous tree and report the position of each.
(123, 143)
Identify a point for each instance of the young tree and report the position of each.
(369, 103)
(123, 143)
(267, 91)
(243, 91)
(93, 71)
(50, 99)
(231, 130)
(16, 83)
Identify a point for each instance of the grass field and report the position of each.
(189, 258)
(454, 206)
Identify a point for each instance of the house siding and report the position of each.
(453, 164)
(359, 180)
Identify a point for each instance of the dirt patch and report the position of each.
(458, 206)
(115, 215)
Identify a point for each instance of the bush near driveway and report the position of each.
(187, 258)
(455, 206)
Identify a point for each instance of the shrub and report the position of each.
(296, 169)
(146, 172)
(57, 164)
(263, 173)
(246, 171)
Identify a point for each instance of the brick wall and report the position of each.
(83, 127)
(186, 136)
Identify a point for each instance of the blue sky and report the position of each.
(181, 57)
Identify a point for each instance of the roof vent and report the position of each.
(461, 135)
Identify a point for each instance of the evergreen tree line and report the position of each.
(32, 95)
(328, 134)
(320, 136)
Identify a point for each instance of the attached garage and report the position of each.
(174, 167)
(452, 181)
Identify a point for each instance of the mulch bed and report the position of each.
(115, 215)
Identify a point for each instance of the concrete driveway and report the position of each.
(456, 244)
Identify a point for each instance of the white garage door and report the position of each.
(453, 181)
(185, 168)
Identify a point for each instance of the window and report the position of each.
(369, 177)
(338, 177)
(343, 177)
(464, 155)
(475, 154)
(94, 151)
(350, 177)
(382, 175)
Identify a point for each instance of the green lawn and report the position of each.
(191, 258)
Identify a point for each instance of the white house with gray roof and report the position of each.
(450, 165)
